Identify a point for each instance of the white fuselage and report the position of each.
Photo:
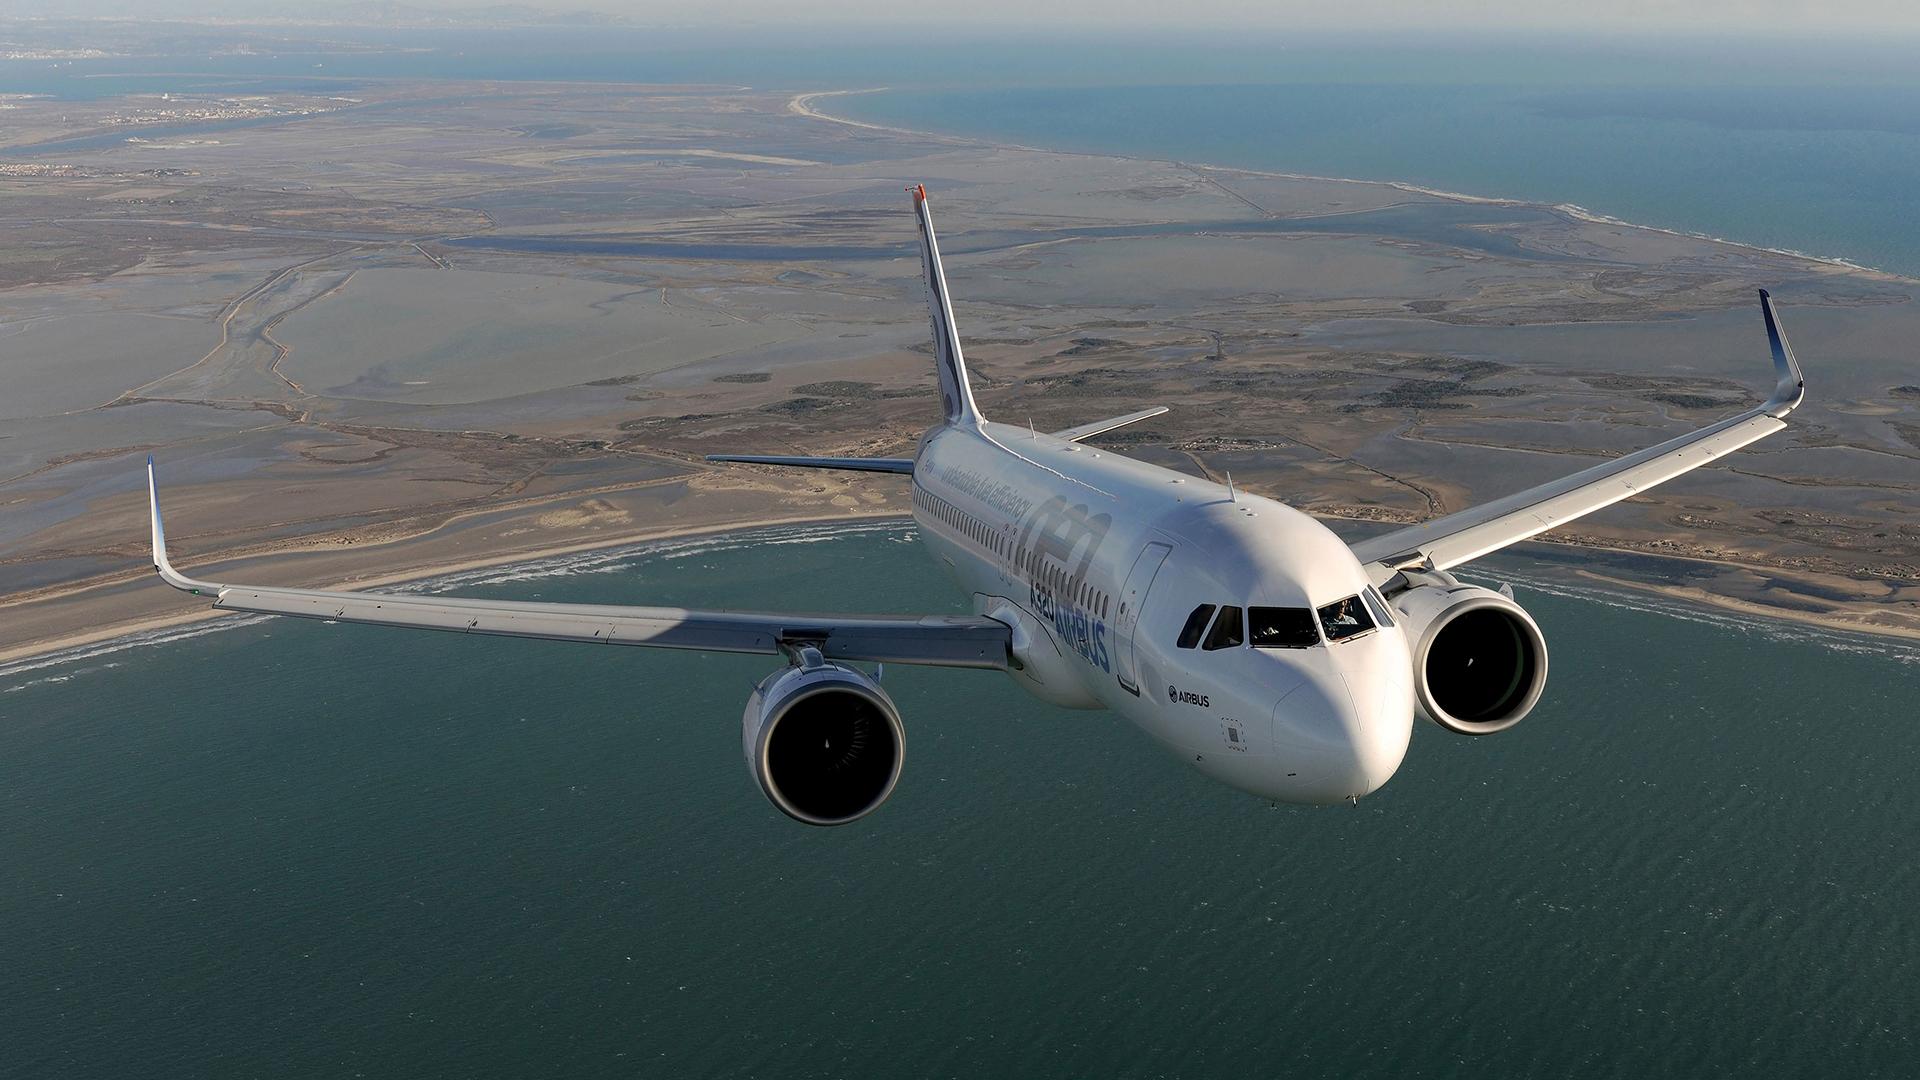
(1099, 562)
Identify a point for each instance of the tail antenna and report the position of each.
(1232, 495)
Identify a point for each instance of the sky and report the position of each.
(1630, 16)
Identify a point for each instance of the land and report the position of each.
(376, 334)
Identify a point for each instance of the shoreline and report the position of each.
(1760, 612)
(802, 105)
(48, 651)
(120, 605)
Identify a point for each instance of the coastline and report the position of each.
(1749, 609)
(47, 651)
(119, 605)
(802, 105)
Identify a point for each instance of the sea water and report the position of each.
(1831, 171)
(295, 849)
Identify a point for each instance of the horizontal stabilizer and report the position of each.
(851, 464)
(1101, 427)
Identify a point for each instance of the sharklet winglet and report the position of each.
(167, 573)
(1791, 388)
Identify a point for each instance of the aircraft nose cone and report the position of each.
(1351, 739)
(1381, 725)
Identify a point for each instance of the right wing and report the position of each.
(1464, 536)
(970, 641)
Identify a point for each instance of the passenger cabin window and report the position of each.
(1345, 618)
(1226, 632)
(1282, 628)
(1196, 625)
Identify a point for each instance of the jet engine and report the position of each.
(823, 741)
(1479, 660)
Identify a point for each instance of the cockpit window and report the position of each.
(1282, 628)
(1226, 632)
(1345, 618)
(1196, 625)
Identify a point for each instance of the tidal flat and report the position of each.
(447, 323)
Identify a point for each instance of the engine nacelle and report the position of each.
(1479, 660)
(823, 741)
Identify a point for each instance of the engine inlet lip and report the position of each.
(1532, 632)
(825, 686)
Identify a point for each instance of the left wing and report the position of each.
(1462, 537)
(850, 464)
(1101, 427)
(970, 641)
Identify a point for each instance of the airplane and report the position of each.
(1241, 634)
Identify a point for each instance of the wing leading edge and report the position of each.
(1100, 427)
(938, 640)
(1461, 537)
(849, 464)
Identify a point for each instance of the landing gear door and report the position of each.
(1133, 596)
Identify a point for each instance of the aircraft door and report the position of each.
(1133, 595)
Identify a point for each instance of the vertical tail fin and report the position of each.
(955, 395)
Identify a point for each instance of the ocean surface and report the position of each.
(279, 848)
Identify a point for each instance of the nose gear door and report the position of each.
(1133, 596)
